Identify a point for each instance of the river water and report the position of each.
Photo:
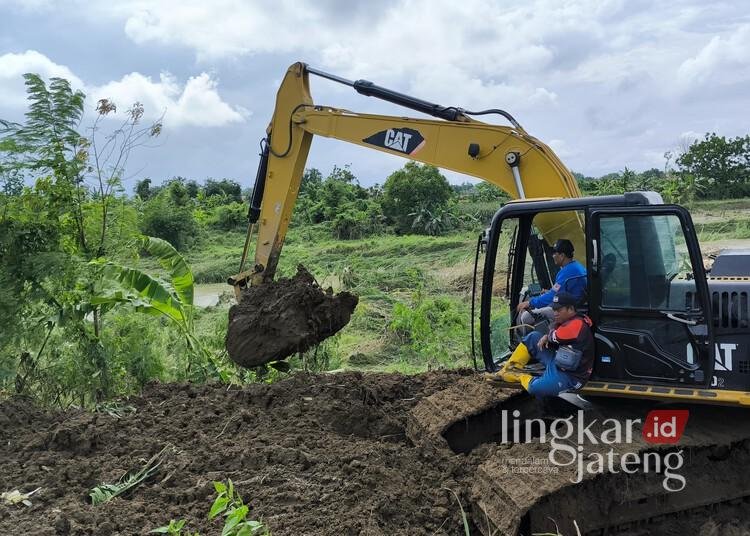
(207, 294)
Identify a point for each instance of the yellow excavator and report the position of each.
(666, 330)
(648, 290)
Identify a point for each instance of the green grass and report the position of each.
(426, 280)
(722, 219)
(721, 204)
(483, 211)
(723, 230)
(392, 274)
(217, 256)
(388, 262)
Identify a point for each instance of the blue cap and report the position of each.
(563, 299)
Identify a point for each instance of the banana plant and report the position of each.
(152, 295)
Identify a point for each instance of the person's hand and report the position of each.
(522, 306)
(543, 342)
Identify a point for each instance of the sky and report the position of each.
(606, 83)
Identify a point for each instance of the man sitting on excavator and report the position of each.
(571, 278)
(566, 352)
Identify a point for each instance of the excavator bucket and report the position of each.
(277, 319)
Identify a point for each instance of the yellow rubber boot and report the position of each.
(519, 358)
(513, 376)
(509, 371)
(525, 380)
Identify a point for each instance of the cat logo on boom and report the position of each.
(403, 140)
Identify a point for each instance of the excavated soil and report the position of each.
(325, 454)
(280, 318)
(314, 454)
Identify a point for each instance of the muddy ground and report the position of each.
(320, 454)
(314, 454)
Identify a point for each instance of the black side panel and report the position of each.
(730, 308)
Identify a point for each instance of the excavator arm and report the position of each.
(505, 156)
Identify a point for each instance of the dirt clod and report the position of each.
(280, 318)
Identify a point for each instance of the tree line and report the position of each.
(418, 198)
(415, 199)
(714, 167)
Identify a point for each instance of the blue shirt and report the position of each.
(568, 279)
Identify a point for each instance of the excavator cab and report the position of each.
(647, 293)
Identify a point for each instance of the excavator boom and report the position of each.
(505, 156)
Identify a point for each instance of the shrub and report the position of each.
(228, 190)
(484, 191)
(412, 190)
(353, 222)
(165, 219)
(231, 217)
(433, 329)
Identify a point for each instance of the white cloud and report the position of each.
(221, 28)
(523, 52)
(624, 68)
(653, 159)
(690, 136)
(14, 66)
(722, 55)
(476, 93)
(29, 6)
(616, 79)
(562, 149)
(196, 103)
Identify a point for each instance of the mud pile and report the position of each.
(325, 454)
(283, 317)
(312, 455)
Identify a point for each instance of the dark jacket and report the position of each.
(576, 332)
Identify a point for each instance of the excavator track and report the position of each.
(518, 490)
(442, 421)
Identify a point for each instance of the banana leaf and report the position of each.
(153, 297)
(169, 259)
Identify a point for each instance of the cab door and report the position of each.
(649, 297)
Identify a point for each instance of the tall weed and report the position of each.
(432, 330)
